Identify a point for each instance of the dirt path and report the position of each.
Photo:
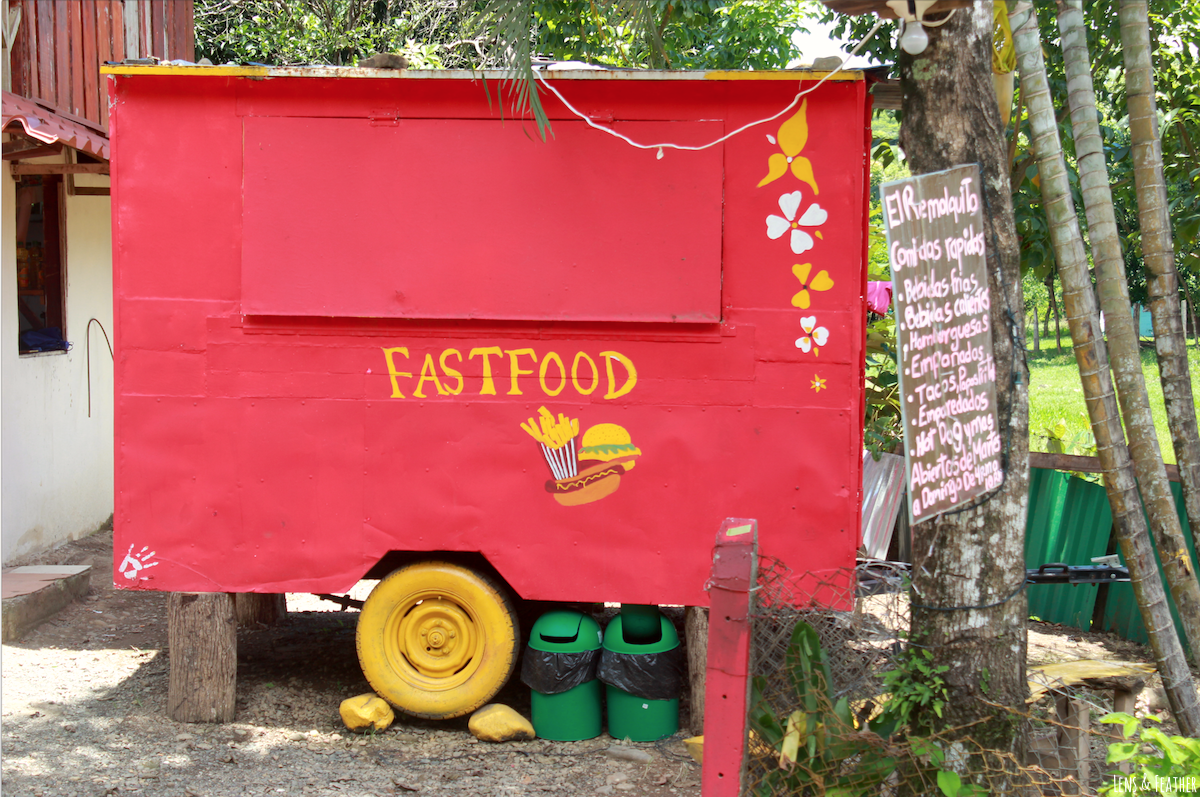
(84, 715)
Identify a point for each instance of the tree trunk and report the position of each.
(695, 623)
(259, 608)
(202, 640)
(1037, 340)
(1190, 313)
(1113, 292)
(968, 567)
(1049, 282)
(1195, 326)
(1052, 307)
(1057, 319)
(1159, 255)
(1083, 317)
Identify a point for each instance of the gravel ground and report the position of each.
(84, 699)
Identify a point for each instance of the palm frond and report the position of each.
(511, 26)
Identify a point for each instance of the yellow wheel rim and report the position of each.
(436, 639)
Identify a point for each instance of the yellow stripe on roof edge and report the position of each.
(208, 71)
(845, 74)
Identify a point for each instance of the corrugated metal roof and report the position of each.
(485, 74)
(1069, 522)
(1121, 613)
(45, 125)
(883, 491)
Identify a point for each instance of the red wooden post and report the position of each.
(727, 689)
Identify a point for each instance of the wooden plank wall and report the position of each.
(62, 43)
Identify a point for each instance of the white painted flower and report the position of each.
(814, 336)
(800, 240)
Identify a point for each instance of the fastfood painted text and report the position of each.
(441, 376)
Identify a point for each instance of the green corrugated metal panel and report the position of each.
(1047, 492)
(1121, 613)
(1069, 522)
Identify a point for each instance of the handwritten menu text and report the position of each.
(936, 246)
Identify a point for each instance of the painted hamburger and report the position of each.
(606, 453)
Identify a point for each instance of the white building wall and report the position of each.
(56, 463)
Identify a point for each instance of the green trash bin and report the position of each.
(560, 667)
(643, 678)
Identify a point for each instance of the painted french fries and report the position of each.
(557, 438)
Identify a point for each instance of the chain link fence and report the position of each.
(814, 692)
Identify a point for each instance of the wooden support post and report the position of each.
(259, 608)
(202, 639)
(727, 682)
(1125, 699)
(1125, 680)
(1074, 750)
(695, 624)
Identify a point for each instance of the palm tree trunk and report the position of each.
(1159, 254)
(1084, 322)
(1113, 291)
(975, 623)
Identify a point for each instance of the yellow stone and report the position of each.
(695, 748)
(498, 723)
(366, 713)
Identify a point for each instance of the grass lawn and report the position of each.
(1055, 394)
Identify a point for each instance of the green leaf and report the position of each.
(924, 747)
(841, 710)
(949, 782)
(1187, 231)
(1121, 751)
(1171, 750)
(1191, 745)
(1128, 722)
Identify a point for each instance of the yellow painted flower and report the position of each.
(821, 282)
(818, 384)
(793, 135)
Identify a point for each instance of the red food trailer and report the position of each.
(370, 325)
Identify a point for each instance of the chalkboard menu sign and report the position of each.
(935, 240)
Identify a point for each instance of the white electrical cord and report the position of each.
(722, 139)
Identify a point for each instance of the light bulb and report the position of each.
(914, 39)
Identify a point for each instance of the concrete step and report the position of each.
(35, 593)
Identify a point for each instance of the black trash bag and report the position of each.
(653, 676)
(554, 673)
